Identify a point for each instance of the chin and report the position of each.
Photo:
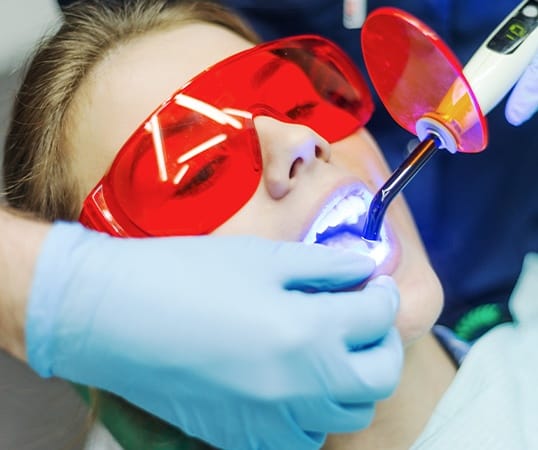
(421, 301)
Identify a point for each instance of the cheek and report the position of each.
(263, 217)
(421, 300)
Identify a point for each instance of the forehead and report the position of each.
(124, 88)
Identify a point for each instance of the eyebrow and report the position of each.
(265, 72)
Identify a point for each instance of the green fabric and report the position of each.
(135, 429)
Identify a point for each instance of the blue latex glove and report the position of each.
(523, 101)
(212, 334)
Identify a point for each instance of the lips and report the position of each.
(340, 222)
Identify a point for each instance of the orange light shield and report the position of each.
(417, 76)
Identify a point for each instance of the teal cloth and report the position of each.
(493, 402)
(129, 428)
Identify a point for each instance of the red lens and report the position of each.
(196, 161)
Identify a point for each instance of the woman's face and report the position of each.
(301, 171)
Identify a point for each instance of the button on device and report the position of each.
(530, 11)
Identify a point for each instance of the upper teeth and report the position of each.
(343, 211)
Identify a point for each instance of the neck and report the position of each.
(427, 373)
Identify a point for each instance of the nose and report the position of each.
(289, 150)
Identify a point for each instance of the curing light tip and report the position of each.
(396, 182)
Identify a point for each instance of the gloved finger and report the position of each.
(364, 316)
(325, 414)
(296, 439)
(320, 268)
(247, 425)
(277, 428)
(375, 372)
(523, 101)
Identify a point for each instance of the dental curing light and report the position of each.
(425, 90)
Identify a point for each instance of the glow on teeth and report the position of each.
(340, 224)
(343, 211)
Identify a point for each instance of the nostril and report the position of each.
(295, 167)
(323, 151)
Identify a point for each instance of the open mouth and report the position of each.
(340, 222)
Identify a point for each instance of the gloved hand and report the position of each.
(523, 101)
(214, 334)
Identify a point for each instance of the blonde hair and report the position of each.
(36, 166)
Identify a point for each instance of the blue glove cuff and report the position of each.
(46, 295)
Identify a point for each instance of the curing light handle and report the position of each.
(501, 60)
(397, 181)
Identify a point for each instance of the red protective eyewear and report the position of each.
(196, 160)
